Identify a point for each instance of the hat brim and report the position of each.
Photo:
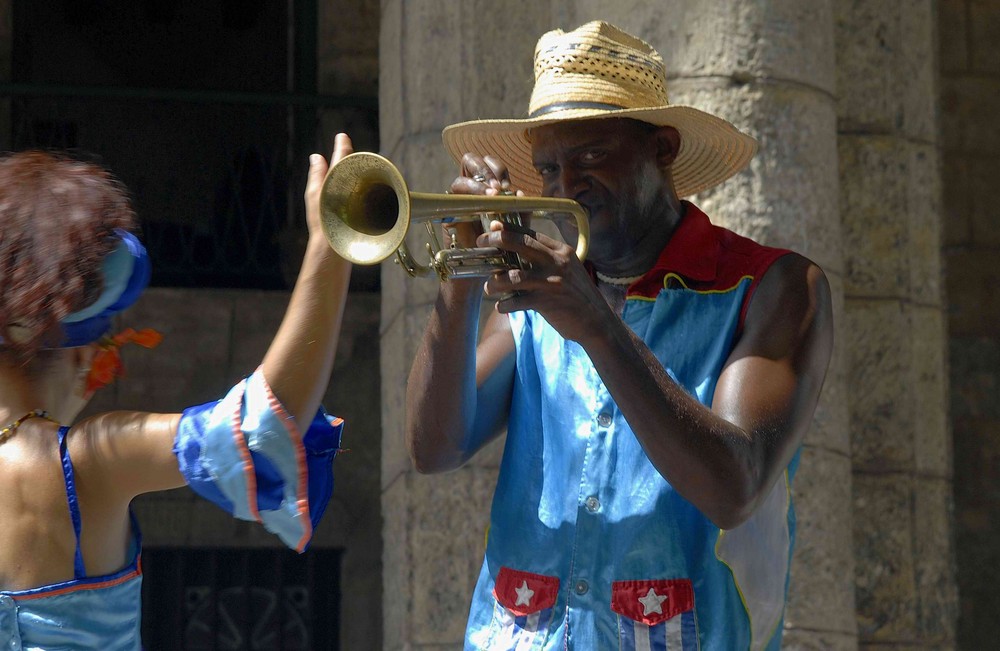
(711, 151)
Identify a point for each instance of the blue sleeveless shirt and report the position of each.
(246, 454)
(589, 547)
(87, 612)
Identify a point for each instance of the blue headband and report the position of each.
(126, 273)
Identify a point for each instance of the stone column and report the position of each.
(440, 62)
(970, 140)
(768, 67)
(891, 211)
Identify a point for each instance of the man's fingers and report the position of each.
(498, 171)
(488, 172)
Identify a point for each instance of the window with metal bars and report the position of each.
(206, 109)
(238, 599)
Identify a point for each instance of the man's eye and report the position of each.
(545, 170)
(592, 156)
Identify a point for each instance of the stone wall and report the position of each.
(772, 74)
(842, 96)
(969, 48)
(780, 89)
(894, 325)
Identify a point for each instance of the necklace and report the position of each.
(618, 280)
(34, 413)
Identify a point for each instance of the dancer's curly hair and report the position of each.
(57, 222)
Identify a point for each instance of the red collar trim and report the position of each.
(691, 252)
(693, 249)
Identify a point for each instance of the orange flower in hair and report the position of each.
(107, 364)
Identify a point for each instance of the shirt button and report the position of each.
(581, 587)
(604, 420)
(593, 504)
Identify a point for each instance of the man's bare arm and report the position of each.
(725, 460)
(458, 394)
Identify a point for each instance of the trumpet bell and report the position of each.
(361, 208)
(366, 211)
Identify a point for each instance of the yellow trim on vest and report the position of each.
(684, 285)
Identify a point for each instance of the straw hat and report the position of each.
(599, 71)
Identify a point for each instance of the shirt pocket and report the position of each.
(523, 610)
(655, 614)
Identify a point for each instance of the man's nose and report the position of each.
(571, 182)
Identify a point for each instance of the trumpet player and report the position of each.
(655, 398)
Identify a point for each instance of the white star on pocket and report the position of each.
(651, 603)
(524, 594)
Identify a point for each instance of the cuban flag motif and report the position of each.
(525, 602)
(655, 615)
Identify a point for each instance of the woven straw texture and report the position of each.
(599, 71)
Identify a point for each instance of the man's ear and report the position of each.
(668, 143)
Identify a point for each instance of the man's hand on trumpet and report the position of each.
(552, 281)
(480, 175)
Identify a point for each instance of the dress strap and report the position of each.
(79, 571)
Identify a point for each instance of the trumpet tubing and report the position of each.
(366, 211)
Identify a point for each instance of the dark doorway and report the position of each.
(206, 109)
(229, 599)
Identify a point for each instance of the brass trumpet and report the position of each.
(367, 210)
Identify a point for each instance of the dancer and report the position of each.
(69, 545)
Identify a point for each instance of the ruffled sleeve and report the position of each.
(246, 454)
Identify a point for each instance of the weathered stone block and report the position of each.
(885, 67)
(166, 374)
(985, 216)
(354, 75)
(971, 104)
(880, 372)
(784, 39)
(984, 36)
(974, 303)
(874, 180)
(428, 57)
(399, 344)
(918, 69)
(821, 594)
(353, 28)
(830, 428)
(932, 439)
(397, 564)
(977, 456)
(788, 196)
(866, 37)
(953, 46)
(923, 206)
(801, 640)
(956, 214)
(937, 598)
(980, 626)
(974, 378)
(256, 317)
(391, 93)
(885, 590)
(497, 77)
(450, 515)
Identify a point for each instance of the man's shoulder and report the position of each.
(741, 257)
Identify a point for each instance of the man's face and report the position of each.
(607, 166)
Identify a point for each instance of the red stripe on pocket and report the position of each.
(652, 602)
(523, 593)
